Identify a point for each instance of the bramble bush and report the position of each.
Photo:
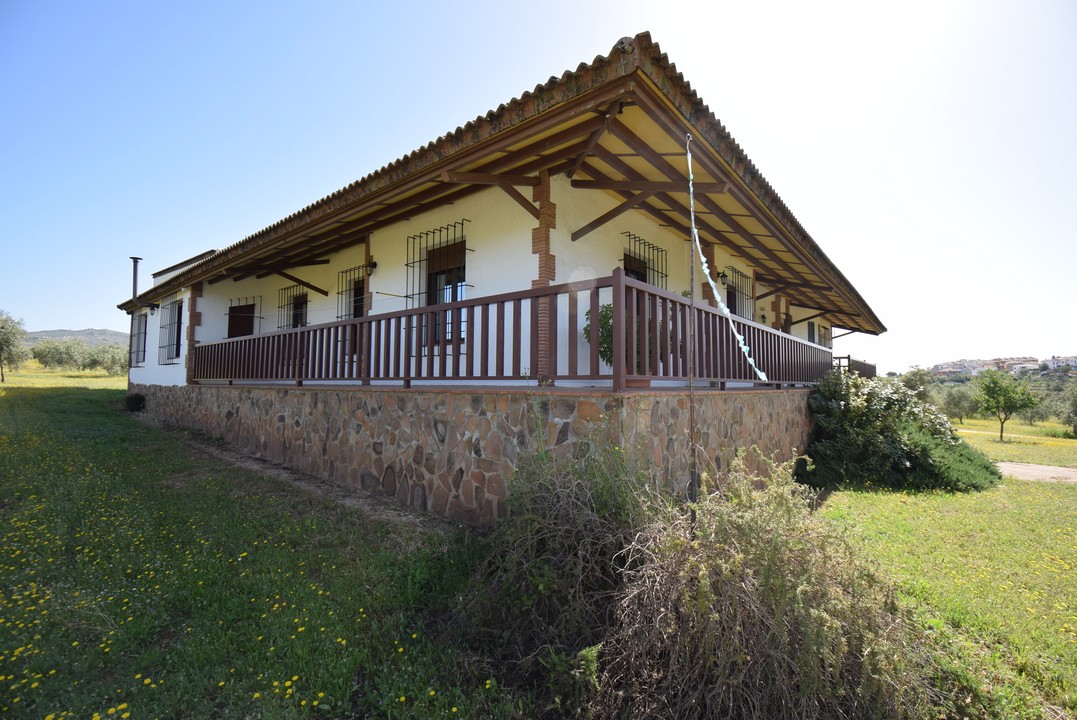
(875, 432)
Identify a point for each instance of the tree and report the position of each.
(1070, 406)
(918, 381)
(64, 353)
(959, 401)
(12, 336)
(1003, 396)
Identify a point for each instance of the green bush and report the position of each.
(875, 432)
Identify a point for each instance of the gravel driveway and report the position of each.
(1046, 473)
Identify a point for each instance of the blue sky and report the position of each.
(930, 148)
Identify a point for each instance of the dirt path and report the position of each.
(1044, 473)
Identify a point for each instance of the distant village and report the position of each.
(1015, 365)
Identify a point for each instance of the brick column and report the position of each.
(708, 253)
(194, 320)
(547, 272)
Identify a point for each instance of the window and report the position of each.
(241, 320)
(445, 274)
(437, 265)
(825, 338)
(811, 331)
(292, 307)
(352, 292)
(171, 339)
(645, 261)
(138, 339)
(738, 293)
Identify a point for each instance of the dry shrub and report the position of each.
(757, 610)
(549, 585)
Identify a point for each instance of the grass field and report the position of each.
(998, 566)
(141, 578)
(1022, 443)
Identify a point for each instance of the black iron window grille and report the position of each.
(243, 317)
(171, 338)
(437, 274)
(352, 292)
(139, 321)
(292, 307)
(645, 261)
(437, 265)
(739, 297)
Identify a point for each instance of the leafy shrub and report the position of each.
(875, 432)
(135, 402)
(760, 609)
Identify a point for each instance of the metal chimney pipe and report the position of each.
(134, 276)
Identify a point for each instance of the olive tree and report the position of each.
(1003, 396)
(12, 350)
(959, 401)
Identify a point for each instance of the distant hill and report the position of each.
(90, 336)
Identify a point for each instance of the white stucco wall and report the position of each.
(152, 371)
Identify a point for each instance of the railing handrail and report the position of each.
(421, 343)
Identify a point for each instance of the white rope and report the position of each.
(706, 270)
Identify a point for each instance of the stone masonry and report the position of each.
(451, 451)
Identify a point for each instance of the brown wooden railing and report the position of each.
(851, 364)
(532, 335)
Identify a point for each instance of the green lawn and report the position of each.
(998, 566)
(142, 578)
(1022, 442)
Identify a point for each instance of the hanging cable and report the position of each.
(706, 270)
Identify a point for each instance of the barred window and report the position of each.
(171, 338)
(138, 339)
(645, 261)
(242, 313)
(739, 297)
(437, 265)
(292, 307)
(352, 292)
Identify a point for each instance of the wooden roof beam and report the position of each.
(605, 217)
(651, 185)
(810, 317)
(481, 178)
(304, 283)
(596, 135)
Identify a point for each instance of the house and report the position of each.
(421, 327)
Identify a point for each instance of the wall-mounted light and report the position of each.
(763, 318)
(723, 277)
(371, 267)
(153, 309)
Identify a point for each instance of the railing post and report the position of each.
(618, 329)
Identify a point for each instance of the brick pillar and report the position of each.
(547, 273)
(708, 253)
(194, 320)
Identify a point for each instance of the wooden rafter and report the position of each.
(304, 283)
(480, 178)
(615, 107)
(651, 185)
(662, 117)
(810, 317)
(605, 217)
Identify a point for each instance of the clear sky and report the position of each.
(930, 148)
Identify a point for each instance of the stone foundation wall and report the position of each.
(451, 451)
